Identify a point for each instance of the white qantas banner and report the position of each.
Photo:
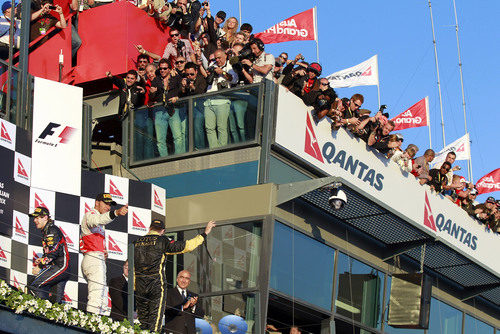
(71, 233)
(117, 187)
(18, 279)
(7, 135)
(364, 74)
(43, 198)
(339, 154)
(139, 220)
(158, 199)
(461, 147)
(71, 294)
(22, 169)
(20, 226)
(34, 252)
(57, 137)
(116, 243)
(5, 255)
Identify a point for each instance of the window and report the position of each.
(444, 319)
(476, 326)
(232, 260)
(359, 291)
(302, 267)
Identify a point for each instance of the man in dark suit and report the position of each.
(118, 288)
(182, 307)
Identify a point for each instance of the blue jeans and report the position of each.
(162, 121)
(237, 120)
(199, 125)
(76, 41)
(182, 112)
(216, 115)
(143, 135)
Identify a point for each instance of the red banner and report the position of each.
(489, 183)
(415, 116)
(300, 27)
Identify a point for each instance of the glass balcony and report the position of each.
(202, 123)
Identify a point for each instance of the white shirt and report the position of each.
(264, 59)
(5, 31)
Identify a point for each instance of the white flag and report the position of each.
(364, 74)
(461, 147)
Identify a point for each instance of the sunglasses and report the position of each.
(324, 83)
(357, 105)
(180, 62)
(190, 74)
(164, 68)
(174, 35)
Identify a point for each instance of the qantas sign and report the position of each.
(21, 171)
(157, 201)
(114, 191)
(113, 246)
(2, 255)
(19, 228)
(137, 224)
(444, 225)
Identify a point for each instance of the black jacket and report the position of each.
(314, 98)
(118, 291)
(161, 95)
(178, 320)
(55, 249)
(136, 96)
(200, 87)
(151, 250)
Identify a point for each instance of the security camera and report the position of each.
(337, 199)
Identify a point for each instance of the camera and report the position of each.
(205, 4)
(52, 7)
(211, 74)
(222, 85)
(337, 199)
(180, 44)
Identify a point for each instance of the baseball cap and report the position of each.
(315, 67)
(6, 5)
(491, 199)
(157, 223)
(221, 14)
(40, 211)
(106, 198)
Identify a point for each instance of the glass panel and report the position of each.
(233, 262)
(241, 305)
(389, 329)
(476, 326)
(3, 92)
(218, 120)
(444, 319)
(302, 267)
(359, 291)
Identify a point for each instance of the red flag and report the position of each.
(300, 27)
(415, 116)
(489, 183)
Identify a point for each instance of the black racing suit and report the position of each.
(54, 264)
(150, 252)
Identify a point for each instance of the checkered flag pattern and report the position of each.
(20, 241)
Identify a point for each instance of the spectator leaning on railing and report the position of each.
(421, 166)
(5, 22)
(404, 158)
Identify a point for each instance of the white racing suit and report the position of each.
(93, 247)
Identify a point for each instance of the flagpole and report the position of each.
(239, 5)
(378, 93)
(469, 166)
(437, 72)
(428, 120)
(316, 32)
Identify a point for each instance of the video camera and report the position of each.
(245, 53)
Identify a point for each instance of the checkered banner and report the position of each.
(20, 241)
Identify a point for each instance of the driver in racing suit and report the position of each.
(52, 268)
(150, 252)
(93, 247)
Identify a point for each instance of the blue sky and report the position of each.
(400, 33)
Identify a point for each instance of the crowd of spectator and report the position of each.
(207, 53)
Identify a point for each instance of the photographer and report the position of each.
(262, 66)
(302, 81)
(216, 108)
(175, 48)
(193, 83)
(321, 99)
(163, 93)
(184, 15)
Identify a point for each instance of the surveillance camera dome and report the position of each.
(337, 199)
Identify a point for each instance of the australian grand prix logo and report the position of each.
(50, 137)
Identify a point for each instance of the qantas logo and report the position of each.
(109, 301)
(461, 148)
(64, 136)
(428, 217)
(113, 246)
(367, 73)
(66, 299)
(19, 228)
(311, 144)
(16, 284)
(113, 190)
(35, 256)
(68, 240)
(87, 208)
(4, 134)
(39, 202)
(137, 223)
(157, 200)
(21, 171)
(2, 255)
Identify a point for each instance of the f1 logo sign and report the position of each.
(65, 135)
